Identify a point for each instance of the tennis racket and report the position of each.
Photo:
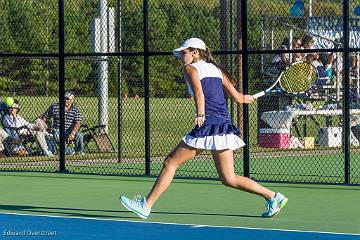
(295, 79)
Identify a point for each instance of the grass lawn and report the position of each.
(170, 119)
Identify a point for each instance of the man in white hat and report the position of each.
(73, 117)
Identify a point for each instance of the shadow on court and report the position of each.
(103, 213)
(181, 180)
(65, 211)
(137, 178)
(325, 187)
(207, 214)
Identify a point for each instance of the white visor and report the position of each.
(189, 43)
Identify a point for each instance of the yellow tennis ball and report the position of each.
(9, 101)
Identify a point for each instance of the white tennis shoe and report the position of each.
(274, 205)
(136, 205)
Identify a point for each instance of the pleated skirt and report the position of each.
(217, 133)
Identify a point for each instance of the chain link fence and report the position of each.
(129, 102)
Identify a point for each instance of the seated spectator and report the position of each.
(4, 106)
(318, 64)
(334, 63)
(16, 125)
(317, 60)
(330, 58)
(281, 61)
(296, 44)
(337, 58)
(73, 119)
(354, 63)
(308, 42)
(3, 136)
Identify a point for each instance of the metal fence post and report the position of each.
(119, 66)
(62, 84)
(346, 94)
(147, 88)
(245, 62)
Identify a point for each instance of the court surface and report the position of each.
(68, 206)
(15, 226)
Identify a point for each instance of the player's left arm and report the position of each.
(192, 77)
(236, 95)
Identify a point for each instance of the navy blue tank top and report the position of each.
(211, 81)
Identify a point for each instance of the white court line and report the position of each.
(181, 224)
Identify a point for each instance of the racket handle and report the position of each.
(260, 94)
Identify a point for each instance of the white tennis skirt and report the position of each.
(217, 133)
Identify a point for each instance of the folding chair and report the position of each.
(25, 138)
(97, 136)
(11, 146)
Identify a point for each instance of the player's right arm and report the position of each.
(235, 95)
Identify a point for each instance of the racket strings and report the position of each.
(298, 78)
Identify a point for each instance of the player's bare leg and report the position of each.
(224, 162)
(181, 154)
(142, 206)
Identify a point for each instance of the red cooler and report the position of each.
(274, 138)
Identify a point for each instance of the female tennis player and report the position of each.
(213, 131)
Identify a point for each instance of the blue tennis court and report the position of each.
(15, 226)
